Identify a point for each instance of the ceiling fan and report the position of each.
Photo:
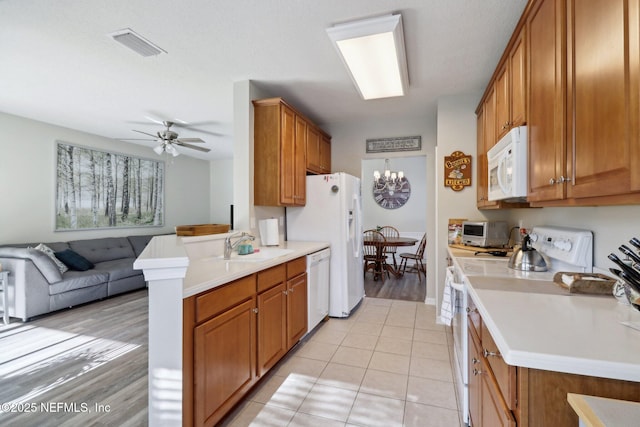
(168, 138)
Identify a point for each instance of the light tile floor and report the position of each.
(388, 364)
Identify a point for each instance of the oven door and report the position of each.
(460, 338)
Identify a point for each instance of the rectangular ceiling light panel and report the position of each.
(136, 42)
(374, 54)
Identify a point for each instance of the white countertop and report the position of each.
(202, 273)
(536, 324)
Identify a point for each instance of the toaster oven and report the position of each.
(485, 234)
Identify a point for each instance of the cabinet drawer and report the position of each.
(270, 277)
(504, 374)
(220, 299)
(296, 267)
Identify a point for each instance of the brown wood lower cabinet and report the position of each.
(235, 333)
(223, 373)
(505, 395)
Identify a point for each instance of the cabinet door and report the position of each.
(299, 176)
(272, 327)
(481, 170)
(517, 82)
(224, 362)
(313, 150)
(503, 123)
(475, 375)
(546, 121)
(603, 137)
(325, 154)
(287, 160)
(296, 309)
(495, 413)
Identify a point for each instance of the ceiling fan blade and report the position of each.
(186, 124)
(136, 139)
(146, 133)
(189, 140)
(195, 147)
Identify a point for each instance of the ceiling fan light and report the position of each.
(159, 149)
(172, 150)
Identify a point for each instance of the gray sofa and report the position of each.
(36, 285)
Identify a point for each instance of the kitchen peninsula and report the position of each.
(191, 286)
(530, 344)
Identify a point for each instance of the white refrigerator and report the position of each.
(333, 213)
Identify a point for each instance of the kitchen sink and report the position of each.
(260, 254)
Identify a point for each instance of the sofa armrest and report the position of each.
(40, 260)
(28, 289)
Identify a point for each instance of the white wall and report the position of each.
(221, 183)
(456, 132)
(27, 183)
(348, 150)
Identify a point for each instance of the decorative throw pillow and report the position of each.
(47, 250)
(74, 260)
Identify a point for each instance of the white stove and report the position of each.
(564, 249)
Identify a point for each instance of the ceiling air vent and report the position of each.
(136, 42)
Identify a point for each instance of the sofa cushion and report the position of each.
(49, 252)
(42, 262)
(74, 260)
(106, 249)
(139, 243)
(73, 280)
(118, 268)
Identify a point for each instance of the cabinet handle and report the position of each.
(255, 310)
(477, 372)
(470, 310)
(552, 181)
(475, 361)
(291, 290)
(285, 292)
(562, 180)
(487, 353)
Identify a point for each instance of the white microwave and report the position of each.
(507, 167)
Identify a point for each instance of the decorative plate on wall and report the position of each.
(391, 195)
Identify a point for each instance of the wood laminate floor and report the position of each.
(408, 287)
(86, 366)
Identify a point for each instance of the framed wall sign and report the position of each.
(402, 143)
(457, 171)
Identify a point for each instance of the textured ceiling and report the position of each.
(60, 67)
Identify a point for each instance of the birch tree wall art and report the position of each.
(98, 189)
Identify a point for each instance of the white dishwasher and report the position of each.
(318, 287)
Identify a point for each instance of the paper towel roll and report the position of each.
(269, 234)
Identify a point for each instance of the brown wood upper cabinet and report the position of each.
(279, 154)
(287, 145)
(318, 151)
(510, 88)
(583, 107)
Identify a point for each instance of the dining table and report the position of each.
(390, 241)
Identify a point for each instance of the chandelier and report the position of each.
(390, 181)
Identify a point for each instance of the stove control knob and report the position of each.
(533, 237)
(563, 245)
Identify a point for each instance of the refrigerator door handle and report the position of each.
(356, 226)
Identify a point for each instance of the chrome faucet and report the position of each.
(228, 246)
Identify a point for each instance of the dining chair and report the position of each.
(389, 231)
(417, 258)
(373, 257)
